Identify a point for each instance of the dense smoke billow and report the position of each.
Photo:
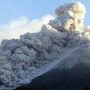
(20, 57)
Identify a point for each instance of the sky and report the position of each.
(19, 16)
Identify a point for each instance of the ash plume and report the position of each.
(20, 57)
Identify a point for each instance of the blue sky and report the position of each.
(13, 9)
(18, 17)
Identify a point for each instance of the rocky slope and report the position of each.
(70, 73)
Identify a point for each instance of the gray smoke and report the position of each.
(20, 58)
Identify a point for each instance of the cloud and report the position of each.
(17, 27)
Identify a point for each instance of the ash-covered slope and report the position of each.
(21, 59)
(70, 73)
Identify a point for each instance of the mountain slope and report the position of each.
(72, 73)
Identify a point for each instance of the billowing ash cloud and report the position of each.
(69, 17)
(19, 58)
